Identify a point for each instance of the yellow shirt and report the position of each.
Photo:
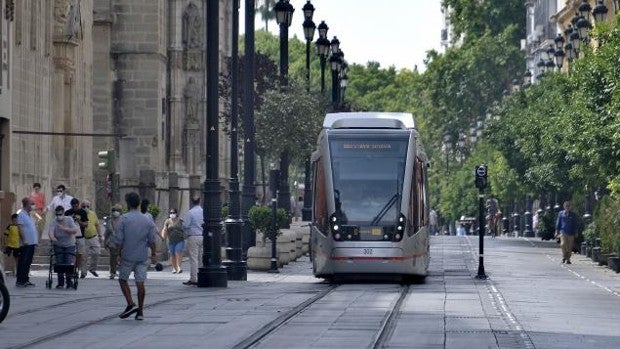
(93, 223)
(12, 236)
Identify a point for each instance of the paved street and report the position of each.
(530, 300)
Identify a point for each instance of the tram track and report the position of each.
(272, 326)
(388, 325)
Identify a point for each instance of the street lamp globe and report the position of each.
(284, 12)
(570, 52)
(323, 28)
(599, 12)
(309, 29)
(584, 9)
(527, 78)
(582, 27)
(335, 45)
(559, 41)
(322, 46)
(308, 10)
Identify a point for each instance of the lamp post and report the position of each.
(559, 52)
(284, 16)
(334, 61)
(344, 77)
(236, 267)
(599, 12)
(309, 28)
(212, 273)
(249, 163)
(322, 45)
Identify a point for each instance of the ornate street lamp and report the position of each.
(309, 28)
(335, 62)
(599, 12)
(284, 15)
(322, 46)
(584, 9)
(527, 78)
(582, 27)
(212, 273)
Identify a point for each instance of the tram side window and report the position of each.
(421, 193)
(413, 202)
(320, 197)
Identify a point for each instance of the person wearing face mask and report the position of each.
(173, 231)
(93, 234)
(108, 236)
(60, 199)
(62, 231)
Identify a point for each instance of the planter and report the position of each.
(603, 259)
(584, 248)
(614, 263)
(589, 251)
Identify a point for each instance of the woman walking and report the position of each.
(173, 230)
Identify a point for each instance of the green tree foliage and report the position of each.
(265, 9)
(472, 19)
(289, 120)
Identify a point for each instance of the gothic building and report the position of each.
(82, 76)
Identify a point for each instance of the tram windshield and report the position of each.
(368, 173)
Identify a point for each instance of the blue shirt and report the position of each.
(30, 236)
(193, 221)
(135, 233)
(567, 222)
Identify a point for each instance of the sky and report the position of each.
(391, 32)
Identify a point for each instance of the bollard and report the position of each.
(273, 267)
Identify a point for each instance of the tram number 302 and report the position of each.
(367, 251)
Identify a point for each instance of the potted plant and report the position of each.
(260, 218)
(607, 222)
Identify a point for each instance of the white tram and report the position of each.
(370, 197)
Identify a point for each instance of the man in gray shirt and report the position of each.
(62, 231)
(134, 236)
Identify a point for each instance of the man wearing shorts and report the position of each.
(135, 234)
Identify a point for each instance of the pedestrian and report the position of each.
(432, 221)
(298, 207)
(173, 231)
(80, 217)
(93, 236)
(565, 228)
(62, 231)
(11, 243)
(192, 225)
(61, 198)
(38, 197)
(134, 236)
(29, 241)
(460, 231)
(492, 206)
(110, 231)
(144, 208)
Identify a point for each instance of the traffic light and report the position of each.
(481, 176)
(106, 160)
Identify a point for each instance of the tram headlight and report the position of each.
(337, 236)
(400, 227)
(335, 228)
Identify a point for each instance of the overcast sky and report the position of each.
(391, 32)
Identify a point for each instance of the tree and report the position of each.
(289, 120)
(266, 12)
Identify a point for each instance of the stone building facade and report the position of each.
(81, 76)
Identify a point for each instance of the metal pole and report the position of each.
(236, 267)
(249, 164)
(322, 59)
(306, 212)
(284, 194)
(308, 65)
(481, 274)
(212, 273)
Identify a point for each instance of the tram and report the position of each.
(370, 199)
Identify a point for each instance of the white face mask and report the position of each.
(86, 209)
(59, 218)
(116, 214)
(173, 215)
(33, 207)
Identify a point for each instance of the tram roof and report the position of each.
(369, 120)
